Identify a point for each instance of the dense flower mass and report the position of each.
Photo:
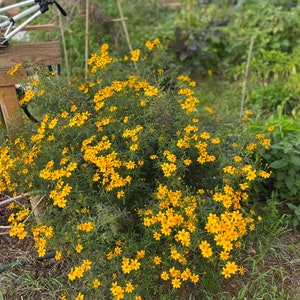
(134, 186)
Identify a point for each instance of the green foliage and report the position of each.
(135, 183)
(284, 161)
(137, 180)
(223, 39)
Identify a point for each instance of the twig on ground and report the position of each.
(4, 202)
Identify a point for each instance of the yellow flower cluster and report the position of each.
(101, 61)
(15, 219)
(168, 169)
(206, 249)
(28, 96)
(151, 44)
(176, 219)
(200, 141)
(14, 69)
(7, 163)
(107, 165)
(230, 269)
(177, 276)
(227, 228)
(133, 134)
(49, 174)
(118, 291)
(189, 104)
(18, 230)
(84, 86)
(135, 55)
(62, 189)
(87, 227)
(129, 265)
(79, 119)
(40, 234)
(78, 271)
(41, 130)
(59, 193)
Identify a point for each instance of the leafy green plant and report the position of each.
(224, 40)
(284, 161)
(134, 185)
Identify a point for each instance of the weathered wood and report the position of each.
(7, 80)
(36, 27)
(40, 54)
(40, 27)
(10, 108)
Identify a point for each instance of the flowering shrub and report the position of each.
(137, 193)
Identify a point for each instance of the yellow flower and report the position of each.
(63, 297)
(58, 255)
(140, 254)
(117, 291)
(157, 260)
(87, 227)
(229, 269)
(224, 255)
(79, 297)
(168, 169)
(237, 158)
(129, 288)
(187, 162)
(151, 91)
(134, 264)
(14, 69)
(176, 283)
(135, 55)
(251, 175)
(134, 147)
(210, 110)
(78, 248)
(251, 147)
(29, 94)
(184, 237)
(96, 283)
(244, 186)
(86, 265)
(164, 275)
(185, 275)
(194, 278)
(205, 248)
(118, 250)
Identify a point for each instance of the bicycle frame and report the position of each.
(39, 7)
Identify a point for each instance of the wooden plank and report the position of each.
(35, 27)
(40, 27)
(7, 80)
(39, 54)
(10, 108)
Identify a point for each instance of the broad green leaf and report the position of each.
(289, 181)
(278, 164)
(295, 160)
